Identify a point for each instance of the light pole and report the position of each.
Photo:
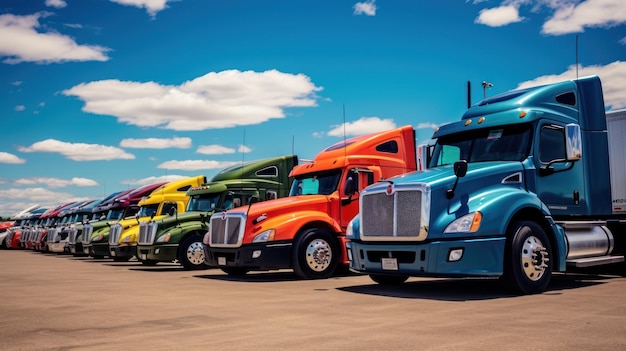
(485, 86)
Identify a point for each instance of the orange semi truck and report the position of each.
(306, 231)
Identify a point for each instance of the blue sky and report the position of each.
(98, 96)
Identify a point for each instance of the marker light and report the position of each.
(468, 122)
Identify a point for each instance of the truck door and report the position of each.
(361, 178)
(561, 185)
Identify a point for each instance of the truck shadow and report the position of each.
(256, 277)
(165, 267)
(471, 289)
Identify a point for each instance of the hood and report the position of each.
(286, 204)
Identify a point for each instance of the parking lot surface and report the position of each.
(60, 302)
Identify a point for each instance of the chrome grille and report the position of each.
(397, 216)
(52, 234)
(114, 233)
(73, 234)
(227, 230)
(87, 231)
(147, 232)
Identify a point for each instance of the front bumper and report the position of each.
(122, 251)
(58, 247)
(271, 255)
(100, 249)
(480, 257)
(158, 253)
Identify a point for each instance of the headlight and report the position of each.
(126, 239)
(267, 235)
(349, 232)
(466, 224)
(163, 238)
(98, 238)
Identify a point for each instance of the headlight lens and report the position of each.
(163, 238)
(349, 232)
(264, 236)
(466, 224)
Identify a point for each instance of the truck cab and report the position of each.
(520, 187)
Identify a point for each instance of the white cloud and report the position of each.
(623, 41)
(216, 100)
(59, 4)
(39, 195)
(194, 165)
(20, 108)
(362, 126)
(365, 8)
(156, 143)
(427, 125)
(6, 157)
(153, 180)
(151, 6)
(55, 182)
(17, 83)
(573, 18)
(568, 16)
(243, 149)
(79, 151)
(20, 42)
(612, 75)
(499, 16)
(214, 150)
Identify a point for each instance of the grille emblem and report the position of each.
(389, 189)
(223, 216)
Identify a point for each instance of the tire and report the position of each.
(527, 259)
(315, 254)
(389, 279)
(191, 253)
(234, 271)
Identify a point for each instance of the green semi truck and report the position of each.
(178, 237)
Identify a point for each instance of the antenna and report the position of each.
(577, 56)
(344, 134)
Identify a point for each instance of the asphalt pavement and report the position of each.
(61, 302)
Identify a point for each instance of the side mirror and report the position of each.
(253, 200)
(460, 170)
(348, 187)
(171, 212)
(573, 142)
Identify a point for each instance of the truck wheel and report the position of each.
(234, 271)
(527, 259)
(389, 279)
(191, 253)
(315, 254)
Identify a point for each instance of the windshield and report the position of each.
(203, 203)
(506, 143)
(324, 183)
(115, 214)
(148, 210)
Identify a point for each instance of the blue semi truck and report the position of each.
(527, 183)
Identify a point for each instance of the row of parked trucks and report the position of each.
(527, 183)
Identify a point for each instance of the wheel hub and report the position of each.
(195, 253)
(535, 258)
(318, 255)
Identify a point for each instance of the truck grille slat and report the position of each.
(87, 231)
